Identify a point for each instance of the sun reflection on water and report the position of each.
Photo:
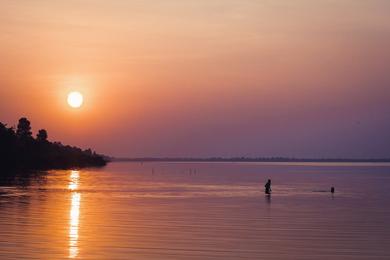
(74, 214)
(74, 180)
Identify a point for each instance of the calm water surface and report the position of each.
(198, 211)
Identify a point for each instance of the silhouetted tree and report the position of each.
(20, 151)
(88, 151)
(24, 128)
(42, 135)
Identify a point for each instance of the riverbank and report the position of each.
(19, 150)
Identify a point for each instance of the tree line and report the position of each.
(20, 150)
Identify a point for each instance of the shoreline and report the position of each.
(235, 160)
(18, 169)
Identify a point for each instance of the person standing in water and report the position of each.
(268, 187)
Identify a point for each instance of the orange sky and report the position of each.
(201, 78)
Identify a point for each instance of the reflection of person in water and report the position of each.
(268, 187)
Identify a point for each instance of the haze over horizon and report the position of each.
(201, 78)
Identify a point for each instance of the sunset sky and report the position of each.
(201, 78)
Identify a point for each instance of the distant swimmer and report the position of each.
(332, 190)
(268, 187)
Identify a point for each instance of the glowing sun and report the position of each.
(75, 99)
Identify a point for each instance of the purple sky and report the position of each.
(201, 78)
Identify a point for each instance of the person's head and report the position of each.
(269, 180)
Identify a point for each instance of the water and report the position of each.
(198, 211)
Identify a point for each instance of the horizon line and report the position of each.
(245, 159)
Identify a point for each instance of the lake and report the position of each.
(198, 211)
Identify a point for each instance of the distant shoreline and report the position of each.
(248, 159)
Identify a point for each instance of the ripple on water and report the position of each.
(126, 211)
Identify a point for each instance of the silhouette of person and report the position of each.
(332, 190)
(268, 187)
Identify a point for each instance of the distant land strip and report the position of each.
(247, 159)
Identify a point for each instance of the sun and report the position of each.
(75, 99)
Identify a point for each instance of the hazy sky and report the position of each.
(297, 78)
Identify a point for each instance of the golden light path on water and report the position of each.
(74, 214)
